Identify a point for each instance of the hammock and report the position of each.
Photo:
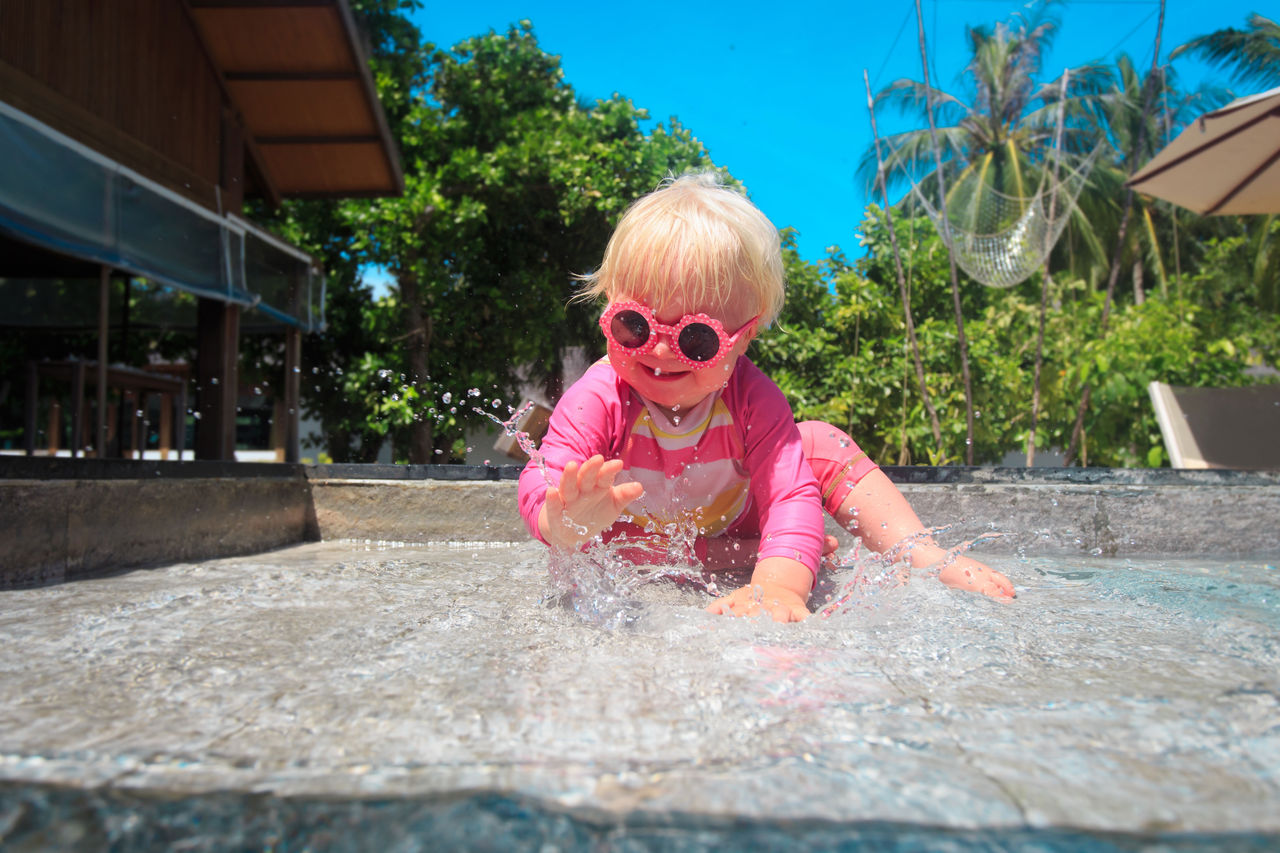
(999, 239)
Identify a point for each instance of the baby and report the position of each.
(677, 428)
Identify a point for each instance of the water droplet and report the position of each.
(446, 397)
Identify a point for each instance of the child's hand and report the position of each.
(782, 604)
(968, 574)
(830, 545)
(779, 587)
(586, 502)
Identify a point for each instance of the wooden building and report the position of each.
(131, 133)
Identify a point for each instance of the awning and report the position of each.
(296, 74)
(62, 196)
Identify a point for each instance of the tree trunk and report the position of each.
(1077, 432)
(418, 340)
(902, 279)
(1046, 279)
(961, 341)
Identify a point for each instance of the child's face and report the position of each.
(661, 377)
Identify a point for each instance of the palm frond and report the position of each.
(1251, 56)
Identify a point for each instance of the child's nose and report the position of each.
(662, 349)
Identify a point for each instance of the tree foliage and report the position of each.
(1251, 55)
(839, 352)
(513, 185)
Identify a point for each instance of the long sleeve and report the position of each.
(783, 487)
(587, 420)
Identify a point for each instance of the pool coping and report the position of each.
(71, 518)
(64, 468)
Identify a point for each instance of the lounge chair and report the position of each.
(1219, 427)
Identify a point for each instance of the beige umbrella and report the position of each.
(1227, 161)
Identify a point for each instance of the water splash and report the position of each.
(511, 428)
(866, 582)
(600, 582)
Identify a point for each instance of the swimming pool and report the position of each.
(400, 695)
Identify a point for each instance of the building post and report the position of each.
(104, 331)
(217, 378)
(292, 393)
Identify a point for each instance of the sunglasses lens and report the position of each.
(630, 329)
(699, 342)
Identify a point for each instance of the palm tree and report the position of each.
(996, 140)
(1126, 119)
(1251, 55)
(998, 134)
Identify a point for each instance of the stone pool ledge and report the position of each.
(64, 518)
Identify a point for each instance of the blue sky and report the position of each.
(776, 93)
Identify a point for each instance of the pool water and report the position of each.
(348, 694)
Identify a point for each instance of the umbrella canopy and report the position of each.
(1226, 162)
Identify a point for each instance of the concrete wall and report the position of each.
(1239, 517)
(416, 511)
(61, 519)
(94, 519)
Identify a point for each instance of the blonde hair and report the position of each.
(697, 238)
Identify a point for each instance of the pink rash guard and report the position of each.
(733, 464)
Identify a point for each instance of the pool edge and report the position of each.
(65, 519)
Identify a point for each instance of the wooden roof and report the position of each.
(295, 71)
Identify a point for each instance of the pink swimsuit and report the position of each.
(734, 465)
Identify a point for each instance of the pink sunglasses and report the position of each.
(700, 341)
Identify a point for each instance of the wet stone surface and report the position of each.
(1112, 695)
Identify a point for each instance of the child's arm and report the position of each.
(585, 504)
(879, 514)
(732, 552)
(779, 587)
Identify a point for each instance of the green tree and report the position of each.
(512, 187)
(356, 343)
(1134, 119)
(992, 145)
(1001, 126)
(1251, 56)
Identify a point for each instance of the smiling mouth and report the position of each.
(660, 373)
